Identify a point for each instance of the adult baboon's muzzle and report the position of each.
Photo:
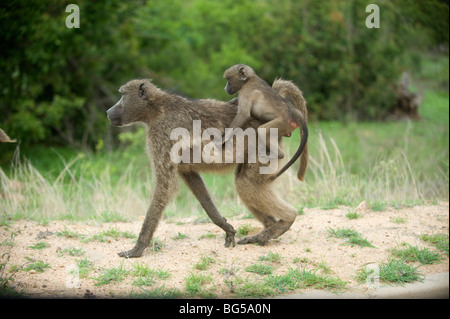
(114, 116)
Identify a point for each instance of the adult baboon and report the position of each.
(162, 113)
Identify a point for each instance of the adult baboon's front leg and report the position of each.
(194, 181)
(164, 190)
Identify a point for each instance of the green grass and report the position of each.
(72, 251)
(204, 263)
(352, 236)
(394, 271)
(208, 235)
(180, 236)
(272, 257)
(159, 293)
(352, 215)
(36, 265)
(244, 230)
(413, 253)
(112, 232)
(398, 220)
(68, 233)
(440, 241)
(147, 276)
(84, 267)
(302, 279)
(39, 246)
(195, 285)
(114, 274)
(260, 269)
(398, 272)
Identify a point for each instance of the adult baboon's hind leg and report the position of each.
(258, 195)
(194, 181)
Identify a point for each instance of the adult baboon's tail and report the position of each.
(288, 89)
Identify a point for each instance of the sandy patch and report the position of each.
(305, 245)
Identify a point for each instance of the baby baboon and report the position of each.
(258, 99)
(162, 112)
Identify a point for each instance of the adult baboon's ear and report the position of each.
(142, 91)
(242, 73)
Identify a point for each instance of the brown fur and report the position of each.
(162, 112)
(258, 99)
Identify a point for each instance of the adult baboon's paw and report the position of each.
(252, 240)
(229, 240)
(133, 253)
(247, 240)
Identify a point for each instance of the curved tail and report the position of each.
(289, 91)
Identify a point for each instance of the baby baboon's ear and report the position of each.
(242, 73)
(142, 91)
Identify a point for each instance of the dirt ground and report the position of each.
(306, 245)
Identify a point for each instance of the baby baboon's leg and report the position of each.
(194, 181)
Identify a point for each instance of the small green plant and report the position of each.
(378, 206)
(245, 230)
(392, 272)
(301, 279)
(36, 265)
(204, 263)
(114, 274)
(159, 293)
(72, 251)
(68, 233)
(108, 216)
(324, 267)
(272, 257)
(156, 245)
(40, 245)
(147, 276)
(413, 253)
(208, 235)
(6, 290)
(352, 215)
(180, 236)
(352, 236)
(112, 232)
(440, 241)
(84, 267)
(253, 289)
(398, 220)
(398, 272)
(260, 269)
(195, 283)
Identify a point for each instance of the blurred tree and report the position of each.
(57, 82)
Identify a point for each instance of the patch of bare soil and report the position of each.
(306, 245)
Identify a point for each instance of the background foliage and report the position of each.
(56, 82)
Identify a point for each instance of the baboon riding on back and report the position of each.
(162, 112)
